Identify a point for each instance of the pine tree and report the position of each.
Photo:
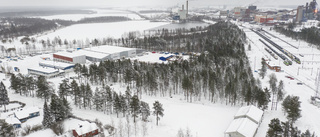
(124, 104)
(145, 110)
(4, 99)
(134, 107)
(48, 118)
(6, 130)
(275, 128)
(76, 91)
(280, 93)
(273, 86)
(263, 70)
(291, 105)
(117, 103)
(158, 110)
(64, 89)
(44, 91)
(88, 95)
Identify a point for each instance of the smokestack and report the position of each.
(187, 8)
(182, 7)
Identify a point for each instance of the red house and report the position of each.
(85, 129)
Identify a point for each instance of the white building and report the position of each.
(46, 72)
(242, 127)
(245, 122)
(251, 112)
(57, 65)
(108, 53)
(73, 57)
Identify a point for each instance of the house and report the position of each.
(245, 123)
(251, 112)
(14, 122)
(242, 127)
(24, 114)
(85, 129)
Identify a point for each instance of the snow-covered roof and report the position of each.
(109, 49)
(251, 112)
(243, 126)
(12, 120)
(45, 70)
(69, 54)
(93, 54)
(24, 113)
(85, 127)
(55, 64)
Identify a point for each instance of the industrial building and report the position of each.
(97, 54)
(46, 72)
(300, 14)
(57, 65)
(68, 57)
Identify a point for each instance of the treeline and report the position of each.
(22, 26)
(29, 26)
(43, 13)
(310, 35)
(103, 19)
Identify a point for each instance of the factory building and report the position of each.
(68, 57)
(300, 14)
(110, 52)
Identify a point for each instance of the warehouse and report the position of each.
(46, 72)
(57, 65)
(114, 51)
(95, 56)
(67, 57)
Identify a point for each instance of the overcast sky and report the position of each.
(152, 3)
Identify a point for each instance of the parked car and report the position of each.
(291, 78)
(299, 83)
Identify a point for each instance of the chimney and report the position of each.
(187, 8)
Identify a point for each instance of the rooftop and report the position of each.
(85, 127)
(109, 49)
(251, 112)
(93, 54)
(24, 113)
(45, 70)
(243, 126)
(55, 63)
(12, 120)
(69, 54)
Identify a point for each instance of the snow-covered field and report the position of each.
(305, 73)
(101, 30)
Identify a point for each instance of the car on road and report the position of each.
(299, 83)
(291, 78)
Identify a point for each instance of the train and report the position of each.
(284, 58)
(287, 53)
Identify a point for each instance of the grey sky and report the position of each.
(152, 3)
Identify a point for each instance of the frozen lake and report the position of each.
(101, 30)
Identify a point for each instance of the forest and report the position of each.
(221, 74)
(310, 35)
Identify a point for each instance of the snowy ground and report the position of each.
(310, 113)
